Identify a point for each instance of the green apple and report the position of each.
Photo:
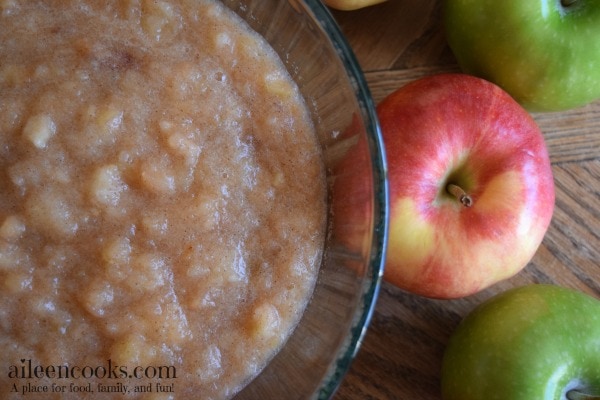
(545, 53)
(536, 342)
(348, 5)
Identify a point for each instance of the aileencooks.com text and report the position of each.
(28, 369)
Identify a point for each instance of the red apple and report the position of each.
(471, 187)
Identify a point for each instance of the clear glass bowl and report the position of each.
(319, 352)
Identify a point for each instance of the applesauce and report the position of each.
(162, 203)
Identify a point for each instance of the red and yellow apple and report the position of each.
(471, 186)
(348, 5)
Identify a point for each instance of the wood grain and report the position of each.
(400, 358)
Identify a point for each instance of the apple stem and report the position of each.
(460, 194)
(577, 395)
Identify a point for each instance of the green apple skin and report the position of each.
(546, 55)
(535, 342)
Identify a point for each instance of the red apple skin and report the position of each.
(456, 128)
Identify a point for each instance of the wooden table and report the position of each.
(400, 358)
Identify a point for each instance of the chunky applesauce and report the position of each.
(162, 200)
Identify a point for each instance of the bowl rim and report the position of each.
(374, 274)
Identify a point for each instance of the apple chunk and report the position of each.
(471, 186)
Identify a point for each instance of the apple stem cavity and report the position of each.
(567, 3)
(459, 194)
(578, 395)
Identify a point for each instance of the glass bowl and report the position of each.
(318, 354)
